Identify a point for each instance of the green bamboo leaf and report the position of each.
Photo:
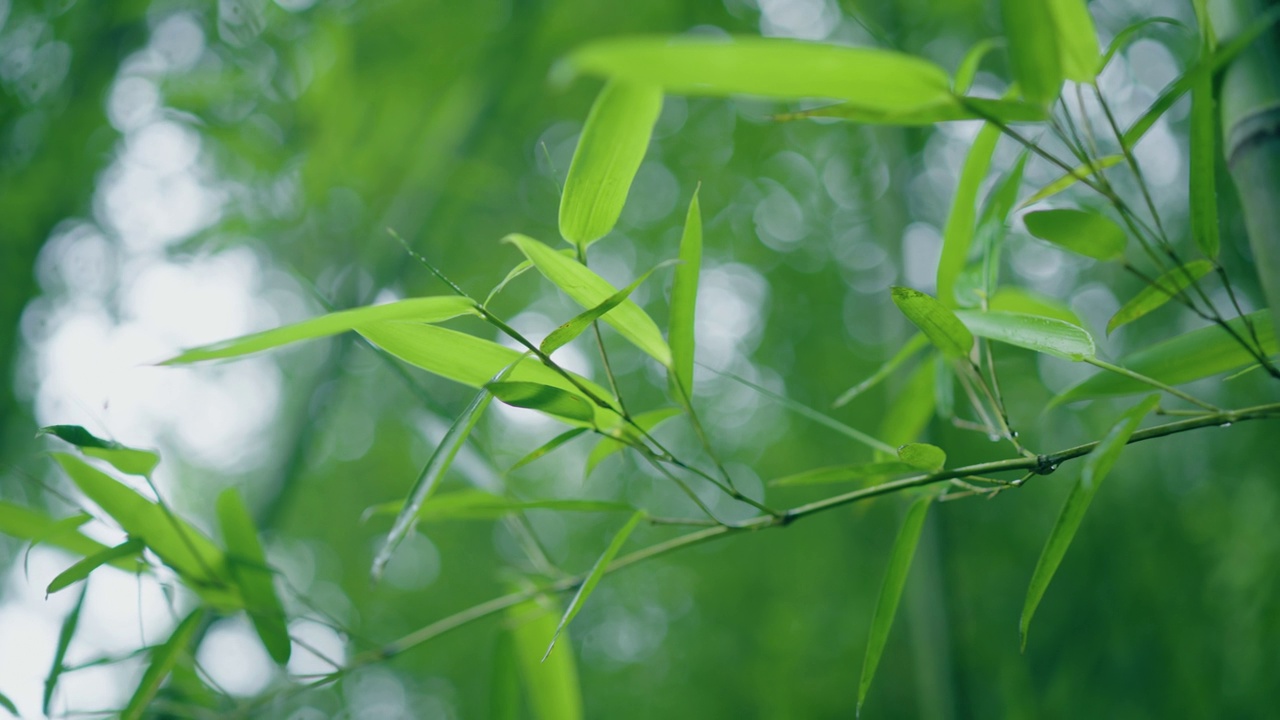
(1077, 39)
(684, 301)
(895, 579)
(81, 570)
(544, 398)
(521, 268)
(65, 634)
(437, 465)
(939, 324)
(1126, 37)
(593, 577)
(27, 524)
(1204, 167)
(923, 456)
(248, 564)
(163, 659)
(877, 80)
(861, 472)
(908, 350)
(608, 446)
(1191, 356)
(1165, 288)
(552, 685)
(8, 705)
(421, 310)
(957, 234)
(968, 69)
(951, 109)
(567, 332)
(548, 447)
(1027, 302)
(1081, 172)
(1040, 334)
(127, 460)
(1088, 233)
(589, 290)
(911, 408)
(179, 545)
(481, 505)
(1096, 466)
(1033, 49)
(609, 152)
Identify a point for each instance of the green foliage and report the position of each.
(248, 565)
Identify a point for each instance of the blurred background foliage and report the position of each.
(176, 172)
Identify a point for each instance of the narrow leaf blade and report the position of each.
(1082, 172)
(65, 634)
(123, 458)
(608, 446)
(248, 564)
(81, 569)
(567, 332)
(861, 472)
(163, 659)
(1033, 49)
(1077, 40)
(908, 350)
(957, 234)
(544, 398)
(1165, 288)
(593, 577)
(684, 301)
(1040, 334)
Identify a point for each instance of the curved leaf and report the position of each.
(548, 447)
(248, 565)
(545, 398)
(27, 524)
(609, 153)
(608, 446)
(1041, 334)
(1088, 233)
(957, 234)
(1203, 166)
(1033, 49)
(951, 109)
(968, 69)
(593, 577)
(939, 324)
(1165, 288)
(163, 659)
(923, 456)
(684, 302)
(567, 332)
(123, 458)
(1082, 172)
(81, 570)
(1127, 36)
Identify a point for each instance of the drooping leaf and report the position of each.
(862, 472)
(81, 569)
(958, 233)
(1204, 167)
(1077, 39)
(544, 398)
(163, 659)
(968, 69)
(1165, 288)
(608, 446)
(1191, 356)
(684, 301)
(421, 310)
(1088, 233)
(908, 350)
(1034, 55)
(589, 290)
(911, 408)
(609, 153)
(593, 577)
(1096, 466)
(923, 456)
(27, 524)
(895, 579)
(1082, 172)
(123, 458)
(481, 505)
(877, 80)
(1127, 36)
(548, 447)
(939, 324)
(521, 268)
(993, 225)
(65, 634)
(1039, 334)
(551, 685)
(248, 565)
(567, 332)
(1020, 300)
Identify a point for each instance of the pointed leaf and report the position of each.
(1096, 466)
(1191, 356)
(1077, 39)
(877, 80)
(65, 634)
(923, 456)
(567, 332)
(81, 570)
(1127, 36)
(938, 323)
(895, 579)
(552, 685)
(608, 446)
(917, 343)
(1082, 172)
(125, 459)
(684, 301)
(548, 447)
(609, 153)
(1204, 167)
(1019, 300)
(1087, 233)
(27, 524)
(1033, 49)
(1040, 334)
(544, 398)
(422, 310)
(248, 564)
(163, 659)
(589, 290)
(862, 472)
(593, 578)
(1165, 288)
(504, 684)
(968, 69)
(957, 234)
(480, 505)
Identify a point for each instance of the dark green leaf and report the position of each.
(917, 343)
(1096, 466)
(552, 685)
(895, 579)
(1154, 296)
(544, 398)
(608, 446)
(862, 472)
(567, 332)
(163, 658)
(504, 685)
(1204, 166)
(593, 577)
(951, 109)
(684, 301)
(79, 571)
(1088, 233)
(1040, 334)
(912, 407)
(1082, 172)
(938, 323)
(957, 234)
(248, 564)
(923, 456)
(65, 634)
(548, 446)
(1033, 49)
(125, 459)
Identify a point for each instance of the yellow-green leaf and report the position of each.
(608, 446)
(163, 658)
(917, 343)
(861, 472)
(27, 524)
(1082, 172)
(570, 330)
(1011, 298)
(544, 398)
(939, 324)
(593, 577)
(684, 301)
(1165, 288)
(248, 565)
(968, 68)
(551, 685)
(548, 447)
(81, 569)
(1088, 233)
(923, 456)
(1041, 334)
(957, 234)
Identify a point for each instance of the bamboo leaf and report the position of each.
(27, 524)
(951, 109)
(917, 343)
(548, 447)
(1096, 466)
(684, 301)
(420, 310)
(608, 446)
(552, 685)
(968, 69)
(1191, 356)
(127, 460)
(1165, 288)
(1077, 39)
(1204, 167)
(8, 705)
(939, 324)
(65, 634)
(589, 290)
(878, 80)
(911, 408)
(163, 659)
(609, 153)
(248, 564)
(593, 577)
(957, 234)
(1040, 334)
(1088, 233)
(567, 332)
(1081, 172)
(1127, 36)
(1020, 300)
(895, 579)
(861, 472)
(1033, 49)
(544, 398)
(923, 456)
(81, 569)
(481, 505)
